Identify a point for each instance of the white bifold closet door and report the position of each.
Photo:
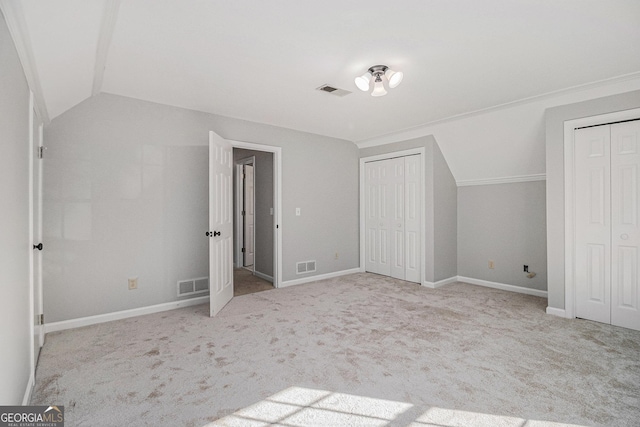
(392, 223)
(607, 218)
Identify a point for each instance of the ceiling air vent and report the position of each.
(333, 90)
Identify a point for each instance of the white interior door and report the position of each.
(220, 223)
(607, 238)
(36, 137)
(625, 234)
(392, 217)
(249, 216)
(593, 223)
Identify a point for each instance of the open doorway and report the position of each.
(254, 225)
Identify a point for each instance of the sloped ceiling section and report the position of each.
(64, 36)
(262, 60)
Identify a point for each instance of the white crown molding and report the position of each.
(108, 24)
(502, 180)
(424, 129)
(14, 16)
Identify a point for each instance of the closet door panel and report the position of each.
(625, 235)
(392, 217)
(593, 223)
(397, 211)
(413, 189)
(383, 248)
(377, 217)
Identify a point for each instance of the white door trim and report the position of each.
(40, 237)
(569, 196)
(238, 204)
(410, 152)
(277, 209)
(32, 324)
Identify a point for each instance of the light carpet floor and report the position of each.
(357, 350)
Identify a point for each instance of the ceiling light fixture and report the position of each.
(380, 74)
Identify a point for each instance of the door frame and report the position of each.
(35, 233)
(239, 224)
(569, 196)
(403, 153)
(277, 198)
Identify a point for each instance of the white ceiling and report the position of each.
(262, 60)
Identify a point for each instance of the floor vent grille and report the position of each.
(193, 286)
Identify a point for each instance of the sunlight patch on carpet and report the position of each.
(299, 406)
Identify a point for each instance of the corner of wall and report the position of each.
(445, 228)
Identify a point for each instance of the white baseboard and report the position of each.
(503, 286)
(27, 392)
(560, 312)
(125, 314)
(319, 277)
(440, 283)
(263, 276)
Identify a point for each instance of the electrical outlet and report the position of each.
(133, 283)
(491, 265)
(297, 211)
(526, 268)
(336, 255)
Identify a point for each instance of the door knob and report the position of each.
(38, 246)
(624, 236)
(216, 233)
(213, 233)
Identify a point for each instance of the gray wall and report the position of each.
(14, 215)
(555, 118)
(504, 223)
(445, 215)
(125, 196)
(263, 170)
(440, 206)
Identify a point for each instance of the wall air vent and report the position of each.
(193, 286)
(305, 267)
(333, 90)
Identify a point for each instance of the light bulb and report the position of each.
(378, 89)
(363, 81)
(394, 77)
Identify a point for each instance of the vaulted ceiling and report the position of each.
(263, 60)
